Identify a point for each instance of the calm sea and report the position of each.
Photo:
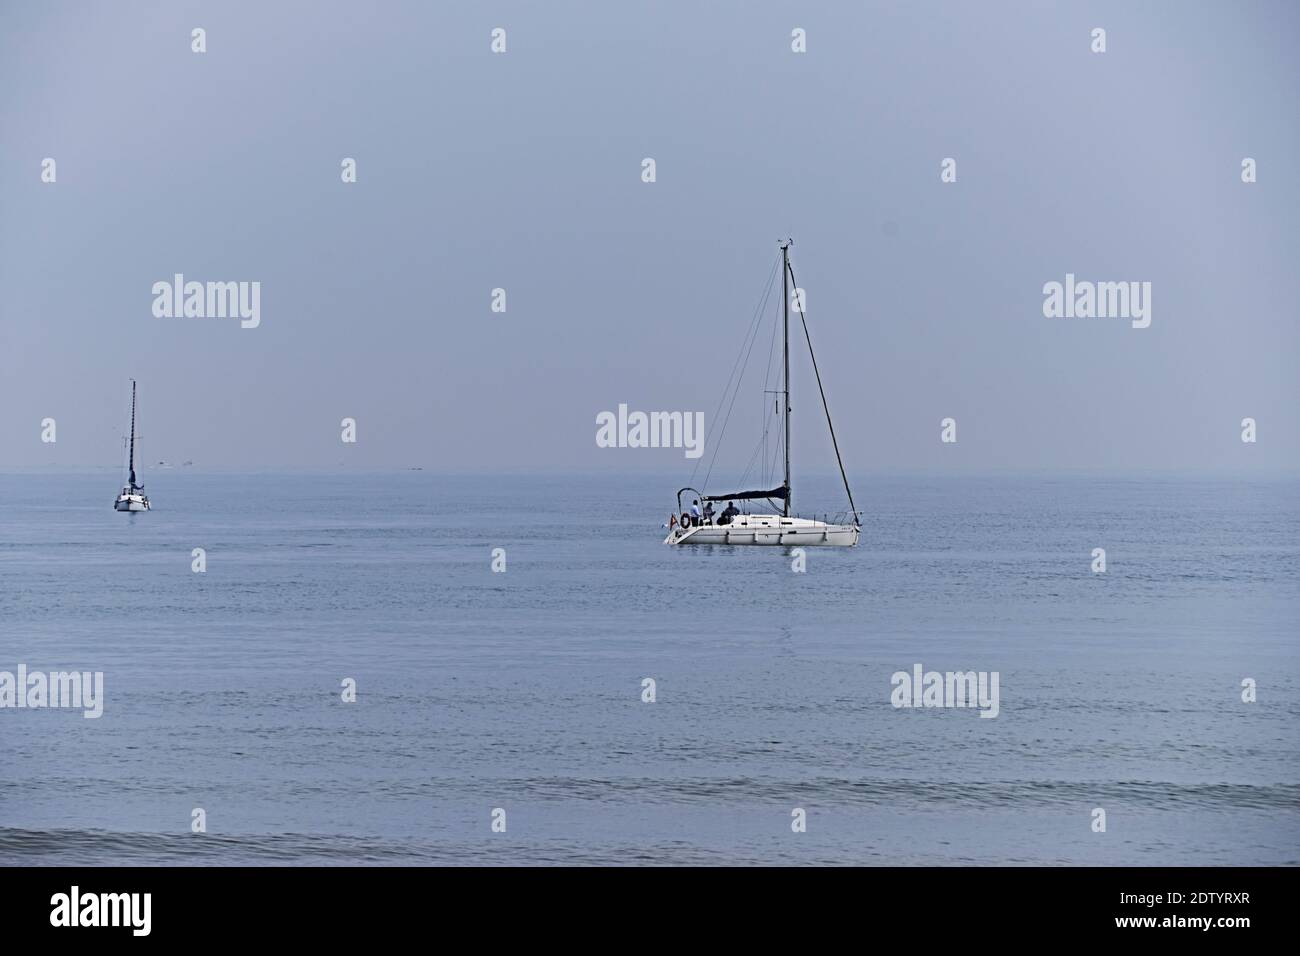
(523, 690)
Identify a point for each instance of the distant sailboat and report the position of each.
(132, 497)
(736, 526)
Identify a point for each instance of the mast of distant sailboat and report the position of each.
(131, 452)
(785, 351)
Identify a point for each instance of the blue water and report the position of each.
(522, 690)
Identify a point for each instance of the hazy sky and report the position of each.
(523, 171)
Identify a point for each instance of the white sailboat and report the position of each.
(736, 526)
(132, 497)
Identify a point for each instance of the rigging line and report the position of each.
(771, 349)
(736, 365)
(778, 447)
(767, 380)
(750, 464)
(752, 458)
(777, 452)
(753, 337)
(825, 407)
(758, 312)
(126, 446)
(734, 395)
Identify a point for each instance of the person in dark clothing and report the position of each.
(729, 513)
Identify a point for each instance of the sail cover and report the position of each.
(783, 492)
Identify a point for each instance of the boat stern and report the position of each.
(128, 501)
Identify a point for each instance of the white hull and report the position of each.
(131, 503)
(771, 530)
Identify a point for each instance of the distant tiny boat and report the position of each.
(132, 497)
(735, 526)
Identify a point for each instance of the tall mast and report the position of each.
(132, 451)
(785, 352)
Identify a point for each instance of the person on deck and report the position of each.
(729, 513)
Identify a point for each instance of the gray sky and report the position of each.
(523, 171)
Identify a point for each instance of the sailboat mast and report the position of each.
(132, 451)
(785, 352)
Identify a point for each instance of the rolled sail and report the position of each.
(783, 492)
